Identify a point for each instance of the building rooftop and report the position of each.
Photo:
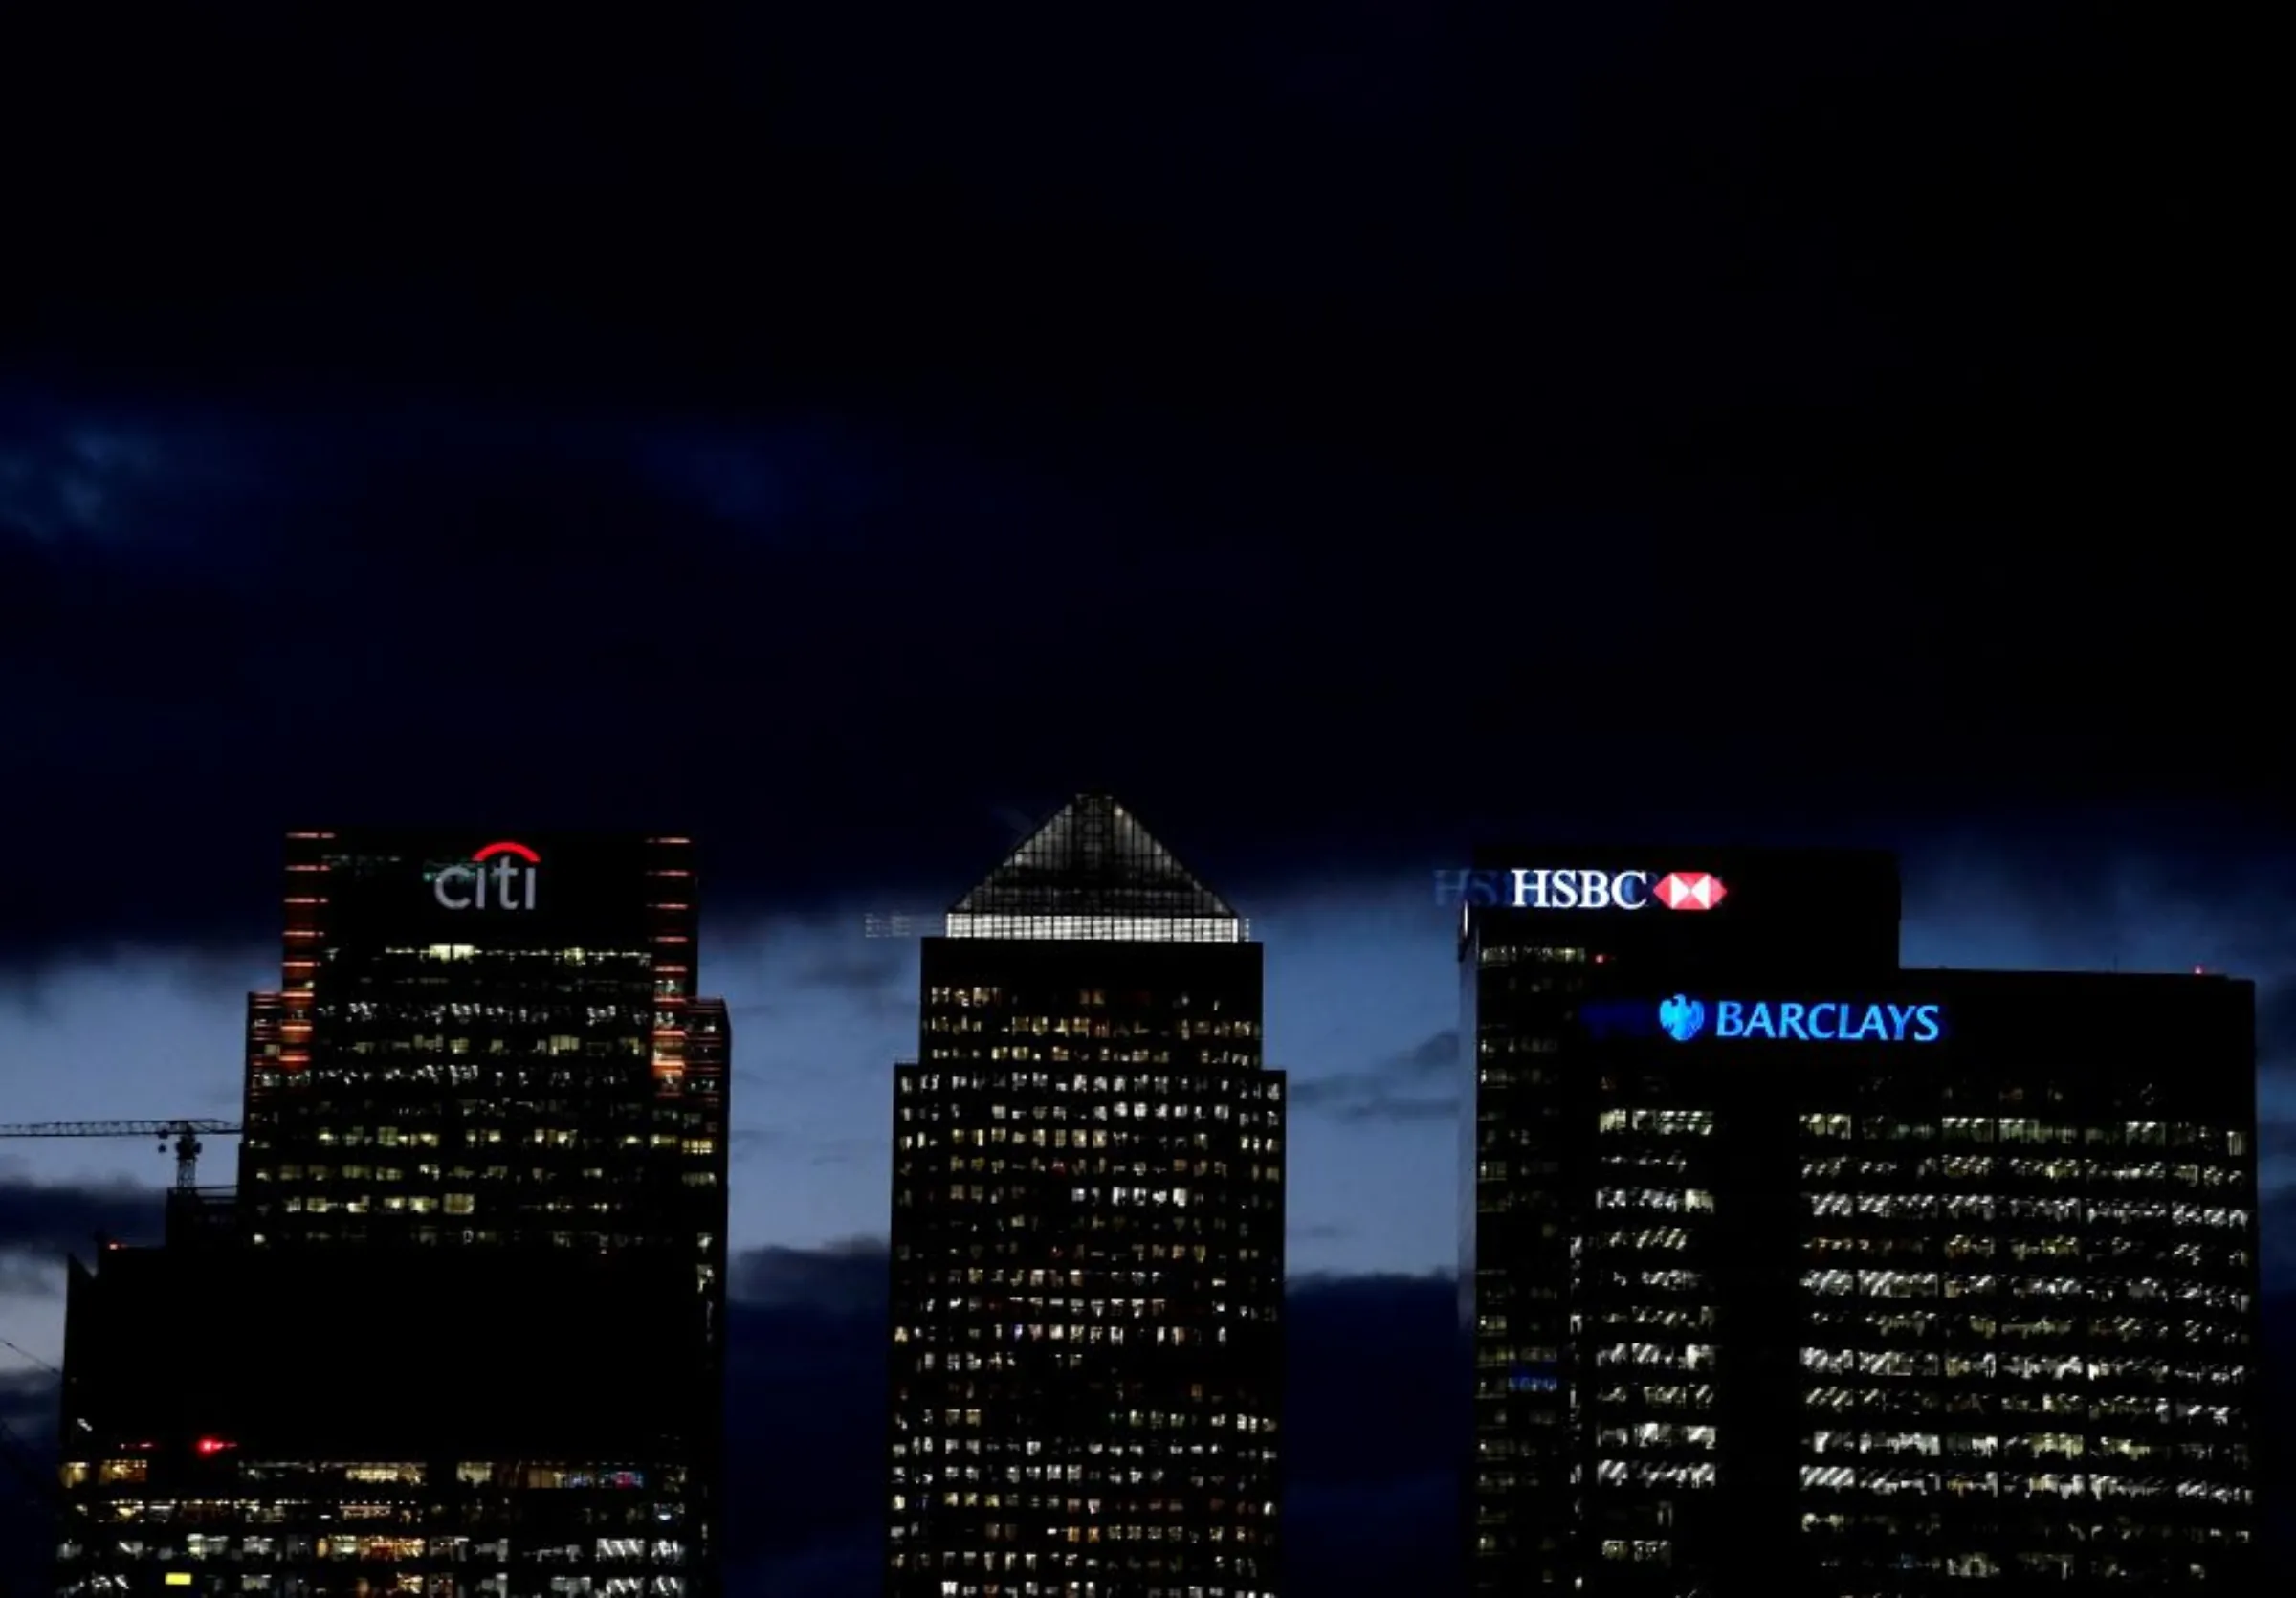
(1094, 871)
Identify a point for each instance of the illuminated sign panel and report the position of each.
(1578, 888)
(501, 876)
(1684, 1018)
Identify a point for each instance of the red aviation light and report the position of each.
(210, 1447)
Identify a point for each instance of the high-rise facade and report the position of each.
(1088, 1238)
(1790, 1270)
(477, 1291)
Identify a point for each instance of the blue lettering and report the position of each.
(1830, 1021)
(1483, 887)
(1450, 886)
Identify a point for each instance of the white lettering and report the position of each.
(456, 875)
(1569, 889)
(466, 886)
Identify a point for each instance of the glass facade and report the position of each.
(1853, 1317)
(485, 1108)
(1088, 1246)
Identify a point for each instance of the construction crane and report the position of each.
(185, 1133)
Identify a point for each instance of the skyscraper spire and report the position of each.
(1094, 871)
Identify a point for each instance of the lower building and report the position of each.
(243, 1422)
(1877, 1287)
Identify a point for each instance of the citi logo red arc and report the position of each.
(499, 876)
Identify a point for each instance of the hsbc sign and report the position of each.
(1568, 889)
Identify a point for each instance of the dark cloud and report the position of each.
(2276, 1013)
(875, 976)
(747, 1142)
(43, 1223)
(1375, 1434)
(27, 1478)
(867, 966)
(192, 613)
(28, 1401)
(2276, 1226)
(839, 540)
(1406, 1086)
(2276, 1140)
(849, 1277)
(806, 1406)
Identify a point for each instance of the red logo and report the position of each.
(1691, 890)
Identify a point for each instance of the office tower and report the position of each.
(1087, 1237)
(1792, 1272)
(476, 1286)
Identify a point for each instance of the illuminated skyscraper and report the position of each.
(1791, 1272)
(1087, 1237)
(489, 1043)
(477, 1288)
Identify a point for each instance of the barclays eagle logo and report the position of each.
(1684, 1018)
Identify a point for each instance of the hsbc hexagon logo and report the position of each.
(1689, 890)
(501, 876)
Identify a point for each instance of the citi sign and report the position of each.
(1684, 1018)
(1569, 888)
(501, 876)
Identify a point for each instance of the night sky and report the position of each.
(1346, 431)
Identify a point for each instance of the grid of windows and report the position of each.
(502, 1091)
(1647, 1325)
(210, 1523)
(2028, 1343)
(1846, 1319)
(1087, 1275)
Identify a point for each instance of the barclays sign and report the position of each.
(1684, 1019)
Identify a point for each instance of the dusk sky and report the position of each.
(1345, 433)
